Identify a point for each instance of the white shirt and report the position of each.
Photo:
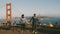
(23, 20)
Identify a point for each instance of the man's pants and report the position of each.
(33, 26)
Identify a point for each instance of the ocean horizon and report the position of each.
(53, 21)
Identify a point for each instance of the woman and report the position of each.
(23, 21)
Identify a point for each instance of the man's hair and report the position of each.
(34, 14)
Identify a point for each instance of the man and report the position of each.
(34, 21)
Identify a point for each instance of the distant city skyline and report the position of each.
(29, 7)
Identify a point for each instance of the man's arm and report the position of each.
(31, 19)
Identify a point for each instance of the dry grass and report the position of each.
(14, 32)
(41, 30)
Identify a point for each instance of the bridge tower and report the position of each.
(8, 13)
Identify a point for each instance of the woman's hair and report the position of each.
(22, 15)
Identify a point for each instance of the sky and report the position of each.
(29, 7)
